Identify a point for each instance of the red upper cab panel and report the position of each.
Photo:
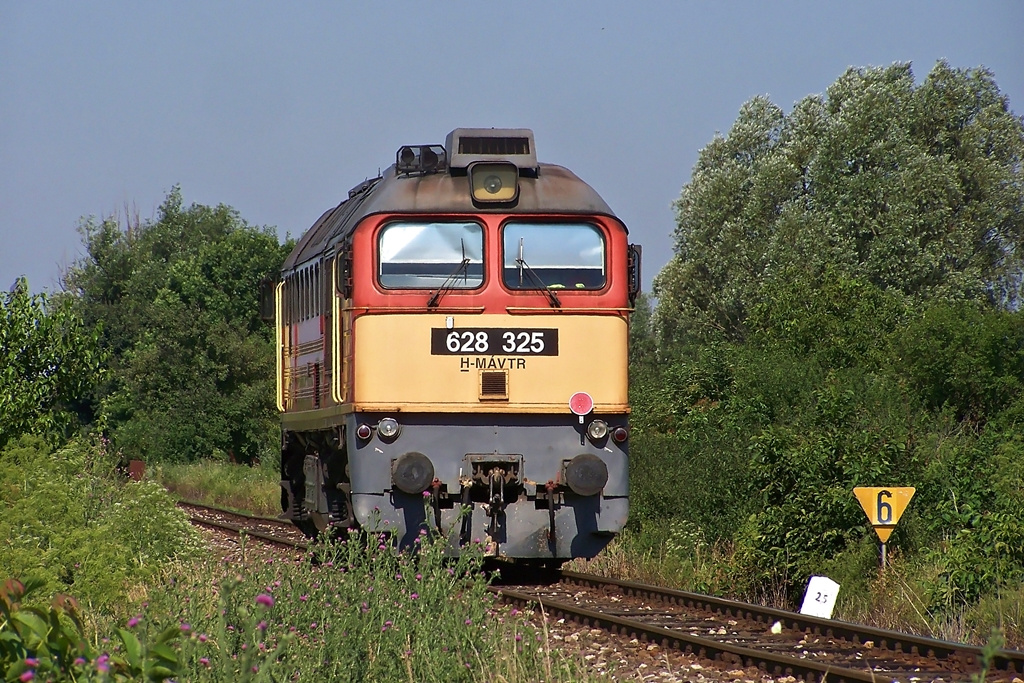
(491, 263)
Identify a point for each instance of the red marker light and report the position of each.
(581, 404)
(363, 431)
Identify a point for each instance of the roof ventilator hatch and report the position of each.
(467, 146)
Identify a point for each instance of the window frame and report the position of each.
(596, 227)
(379, 260)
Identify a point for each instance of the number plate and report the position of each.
(493, 341)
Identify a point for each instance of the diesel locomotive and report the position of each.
(452, 355)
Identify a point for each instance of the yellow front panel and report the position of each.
(394, 367)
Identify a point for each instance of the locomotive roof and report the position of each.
(555, 189)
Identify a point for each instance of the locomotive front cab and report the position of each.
(480, 356)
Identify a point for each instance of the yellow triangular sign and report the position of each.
(884, 505)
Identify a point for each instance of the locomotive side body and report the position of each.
(452, 354)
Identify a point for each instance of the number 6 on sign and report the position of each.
(884, 505)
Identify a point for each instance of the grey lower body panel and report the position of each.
(532, 514)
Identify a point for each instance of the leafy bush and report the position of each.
(52, 642)
(48, 361)
(72, 523)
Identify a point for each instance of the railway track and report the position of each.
(740, 635)
(268, 530)
(726, 633)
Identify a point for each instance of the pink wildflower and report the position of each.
(265, 600)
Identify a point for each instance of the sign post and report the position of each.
(884, 505)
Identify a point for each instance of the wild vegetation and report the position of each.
(190, 371)
(843, 309)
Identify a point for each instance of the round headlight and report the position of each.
(387, 428)
(492, 184)
(597, 430)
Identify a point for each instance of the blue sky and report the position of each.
(277, 109)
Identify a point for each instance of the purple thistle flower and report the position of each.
(303, 598)
(262, 626)
(27, 676)
(415, 596)
(31, 661)
(313, 625)
(133, 622)
(265, 600)
(469, 622)
(79, 661)
(185, 627)
(102, 664)
(427, 494)
(205, 662)
(202, 637)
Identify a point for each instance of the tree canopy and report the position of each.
(191, 372)
(915, 189)
(48, 360)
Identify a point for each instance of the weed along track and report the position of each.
(741, 636)
(637, 626)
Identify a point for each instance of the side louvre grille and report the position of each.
(493, 385)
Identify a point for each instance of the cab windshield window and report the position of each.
(429, 255)
(553, 256)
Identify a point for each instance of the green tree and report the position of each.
(192, 363)
(48, 361)
(915, 189)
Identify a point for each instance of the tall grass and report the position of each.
(255, 489)
(356, 610)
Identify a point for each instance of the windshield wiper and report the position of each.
(552, 298)
(449, 283)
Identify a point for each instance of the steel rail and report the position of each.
(239, 530)
(1011, 661)
(726, 653)
(229, 511)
